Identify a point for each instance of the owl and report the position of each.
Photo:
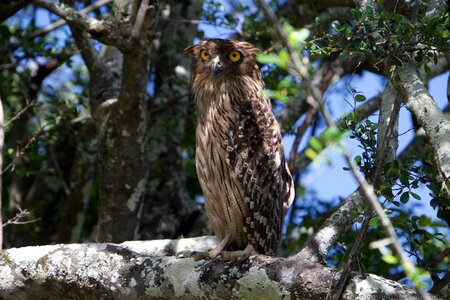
(239, 153)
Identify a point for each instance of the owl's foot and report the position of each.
(218, 253)
(211, 254)
(196, 255)
(240, 254)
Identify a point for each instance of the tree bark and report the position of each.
(146, 270)
(428, 115)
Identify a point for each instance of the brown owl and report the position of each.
(239, 154)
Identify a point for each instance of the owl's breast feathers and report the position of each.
(240, 161)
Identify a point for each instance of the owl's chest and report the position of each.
(216, 121)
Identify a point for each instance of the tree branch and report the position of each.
(428, 114)
(140, 270)
(62, 22)
(106, 31)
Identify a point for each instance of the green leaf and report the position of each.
(283, 59)
(404, 178)
(315, 144)
(267, 58)
(285, 83)
(404, 197)
(424, 221)
(415, 196)
(298, 36)
(360, 98)
(390, 259)
(374, 222)
(310, 153)
(332, 135)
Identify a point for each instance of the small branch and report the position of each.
(16, 220)
(299, 135)
(20, 113)
(19, 153)
(140, 18)
(362, 112)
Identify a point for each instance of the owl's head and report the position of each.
(219, 58)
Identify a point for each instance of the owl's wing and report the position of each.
(255, 154)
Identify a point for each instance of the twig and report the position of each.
(366, 189)
(140, 18)
(20, 113)
(298, 137)
(25, 148)
(16, 220)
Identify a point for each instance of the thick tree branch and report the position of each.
(138, 270)
(62, 22)
(428, 114)
(333, 227)
(106, 31)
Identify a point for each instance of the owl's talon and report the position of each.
(217, 256)
(244, 257)
(196, 255)
(184, 254)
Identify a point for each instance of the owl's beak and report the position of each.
(216, 66)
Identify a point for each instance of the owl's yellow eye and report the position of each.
(234, 55)
(204, 54)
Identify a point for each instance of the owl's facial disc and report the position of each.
(216, 66)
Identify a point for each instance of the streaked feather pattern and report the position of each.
(239, 154)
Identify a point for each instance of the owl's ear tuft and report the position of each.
(190, 49)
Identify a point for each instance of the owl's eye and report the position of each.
(234, 55)
(204, 54)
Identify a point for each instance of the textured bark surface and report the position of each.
(428, 115)
(141, 270)
(118, 102)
